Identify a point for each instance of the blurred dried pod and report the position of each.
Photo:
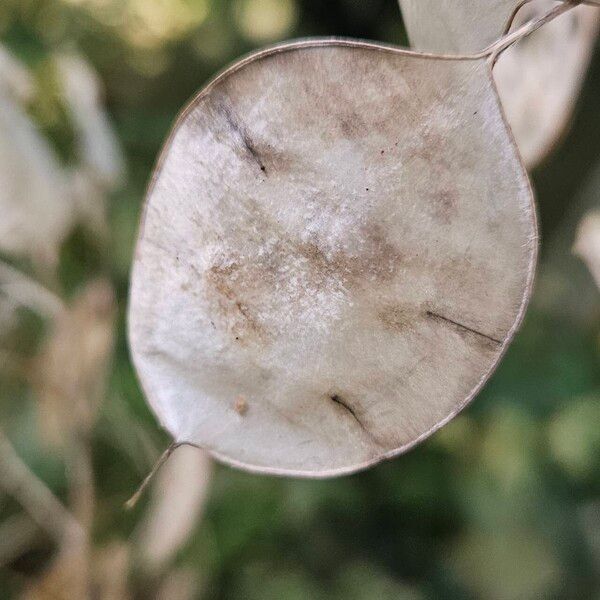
(179, 493)
(36, 207)
(342, 234)
(71, 369)
(99, 150)
(100, 165)
(587, 244)
(538, 79)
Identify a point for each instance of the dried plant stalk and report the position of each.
(17, 480)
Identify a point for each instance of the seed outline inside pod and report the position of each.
(370, 256)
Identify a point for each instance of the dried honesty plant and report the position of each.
(337, 248)
(34, 199)
(100, 164)
(40, 199)
(99, 149)
(538, 79)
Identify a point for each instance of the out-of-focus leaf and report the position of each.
(178, 497)
(362, 581)
(574, 437)
(507, 449)
(458, 435)
(265, 20)
(127, 434)
(283, 227)
(148, 24)
(273, 581)
(71, 370)
(589, 516)
(505, 564)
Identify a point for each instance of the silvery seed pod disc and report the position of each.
(337, 247)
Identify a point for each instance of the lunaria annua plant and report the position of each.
(337, 247)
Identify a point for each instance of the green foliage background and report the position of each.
(504, 503)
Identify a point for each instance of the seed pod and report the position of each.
(538, 79)
(337, 247)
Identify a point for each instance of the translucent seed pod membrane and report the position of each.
(337, 247)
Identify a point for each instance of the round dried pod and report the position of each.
(337, 247)
(538, 79)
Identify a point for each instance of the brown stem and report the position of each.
(81, 482)
(82, 503)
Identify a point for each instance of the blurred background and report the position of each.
(503, 503)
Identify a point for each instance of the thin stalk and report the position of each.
(159, 463)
